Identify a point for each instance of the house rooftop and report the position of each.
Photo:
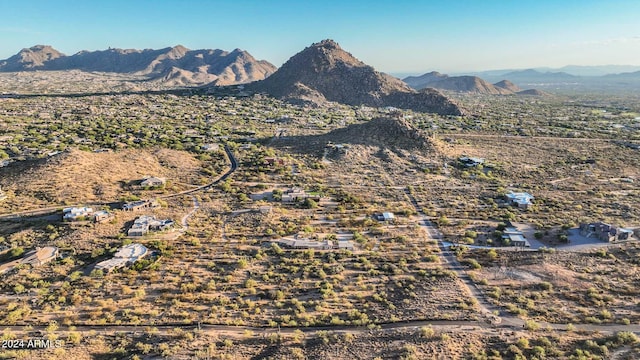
(125, 255)
(41, 255)
(471, 161)
(520, 197)
(131, 251)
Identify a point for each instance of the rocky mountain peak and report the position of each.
(328, 44)
(325, 55)
(34, 57)
(508, 85)
(325, 72)
(43, 48)
(177, 51)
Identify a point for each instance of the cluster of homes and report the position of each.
(125, 256)
(605, 232)
(37, 257)
(145, 223)
(315, 245)
(85, 213)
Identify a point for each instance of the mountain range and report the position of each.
(467, 84)
(173, 65)
(325, 72)
(322, 72)
(572, 78)
(575, 70)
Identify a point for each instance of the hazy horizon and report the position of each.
(398, 38)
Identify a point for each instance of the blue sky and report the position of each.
(393, 36)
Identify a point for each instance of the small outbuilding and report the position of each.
(385, 216)
(152, 181)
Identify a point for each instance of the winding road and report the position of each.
(196, 204)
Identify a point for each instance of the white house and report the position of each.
(471, 161)
(152, 181)
(40, 256)
(306, 244)
(102, 216)
(125, 256)
(385, 216)
(210, 147)
(515, 237)
(346, 245)
(520, 199)
(146, 223)
(74, 213)
(298, 194)
(140, 204)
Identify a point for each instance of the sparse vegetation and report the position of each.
(225, 269)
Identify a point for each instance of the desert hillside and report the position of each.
(83, 177)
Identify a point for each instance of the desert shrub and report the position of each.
(531, 325)
(473, 263)
(427, 332)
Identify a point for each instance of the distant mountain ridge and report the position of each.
(625, 76)
(467, 84)
(507, 85)
(533, 92)
(423, 81)
(616, 78)
(193, 66)
(596, 70)
(325, 72)
(533, 76)
(574, 70)
(32, 58)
